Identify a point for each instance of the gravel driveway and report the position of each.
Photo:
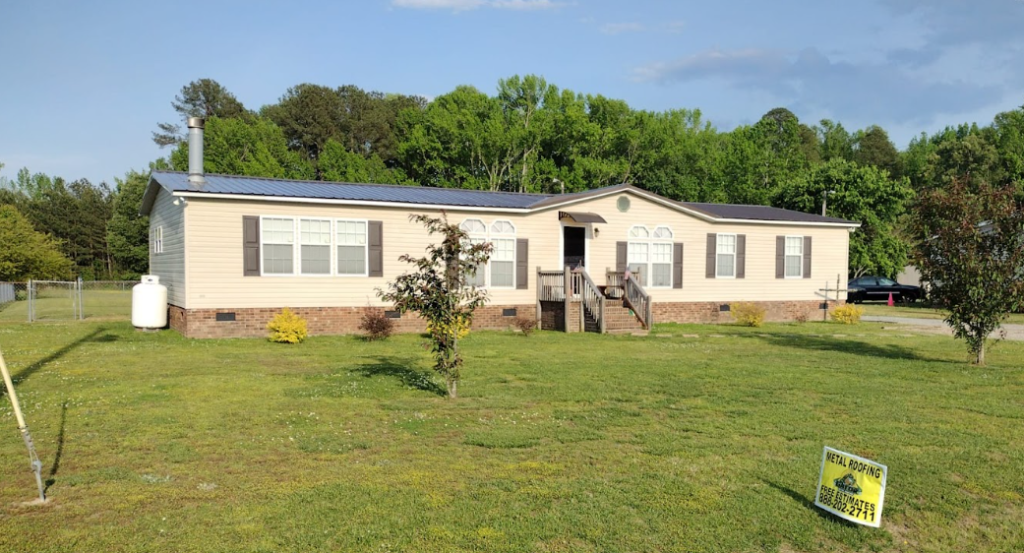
(938, 326)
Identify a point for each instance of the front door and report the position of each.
(574, 251)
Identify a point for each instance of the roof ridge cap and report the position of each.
(377, 184)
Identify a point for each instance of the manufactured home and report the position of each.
(234, 250)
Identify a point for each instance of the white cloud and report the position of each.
(464, 5)
(810, 81)
(619, 28)
(456, 5)
(525, 5)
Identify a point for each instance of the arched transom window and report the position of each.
(649, 255)
(477, 231)
(500, 271)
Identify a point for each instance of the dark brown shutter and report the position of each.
(522, 263)
(375, 241)
(250, 246)
(807, 257)
(780, 257)
(741, 256)
(709, 268)
(621, 248)
(677, 265)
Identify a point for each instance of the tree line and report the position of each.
(532, 136)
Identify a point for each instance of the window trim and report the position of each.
(501, 236)
(631, 238)
(651, 241)
(670, 231)
(263, 272)
(335, 245)
(718, 252)
(646, 264)
(299, 244)
(158, 240)
(297, 247)
(786, 256)
(478, 236)
(671, 262)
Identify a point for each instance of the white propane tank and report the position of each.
(149, 304)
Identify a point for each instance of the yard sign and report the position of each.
(851, 487)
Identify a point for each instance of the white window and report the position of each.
(158, 240)
(473, 226)
(649, 256)
(638, 259)
(503, 227)
(352, 254)
(661, 265)
(503, 263)
(639, 231)
(278, 245)
(503, 257)
(794, 257)
(315, 246)
(477, 231)
(726, 258)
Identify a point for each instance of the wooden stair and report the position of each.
(618, 319)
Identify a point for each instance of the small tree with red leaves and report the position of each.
(970, 248)
(439, 291)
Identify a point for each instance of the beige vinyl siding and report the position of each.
(215, 231)
(829, 252)
(215, 254)
(169, 265)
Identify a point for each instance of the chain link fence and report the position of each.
(55, 300)
(13, 302)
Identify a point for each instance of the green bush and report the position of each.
(287, 328)
(848, 314)
(747, 314)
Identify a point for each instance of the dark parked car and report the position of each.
(874, 288)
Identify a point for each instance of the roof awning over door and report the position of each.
(581, 217)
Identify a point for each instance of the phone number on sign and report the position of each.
(847, 504)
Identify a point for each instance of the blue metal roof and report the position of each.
(761, 213)
(279, 188)
(174, 181)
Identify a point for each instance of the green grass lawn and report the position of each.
(59, 305)
(152, 442)
(919, 311)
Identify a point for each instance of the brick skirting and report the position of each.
(203, 323)
(711, 312)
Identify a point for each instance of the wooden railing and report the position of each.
(550, 285)
(589, 294)
(615, 286)
(637, 299)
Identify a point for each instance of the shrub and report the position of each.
(526, 325)
(376, 325)
(848, 314)
(20, 295)
(461, 328)
(747, 314)
(801, 317)
(287, 328)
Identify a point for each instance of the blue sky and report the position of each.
(83, 84)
